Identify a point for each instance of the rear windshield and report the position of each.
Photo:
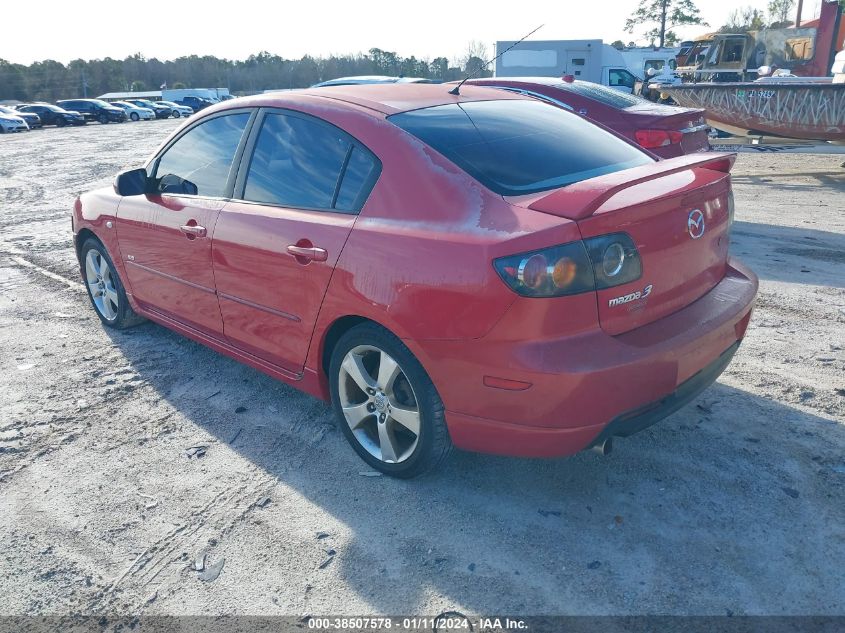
(520, 146)
(602, 94)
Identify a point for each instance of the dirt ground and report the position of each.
(734, 505)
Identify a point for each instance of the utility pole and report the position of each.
(798, 14)
(84, 85)
(663, 21)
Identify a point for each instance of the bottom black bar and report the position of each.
(451, 622)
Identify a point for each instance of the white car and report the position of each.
(176, 109)
(134, 112)
(12, 123)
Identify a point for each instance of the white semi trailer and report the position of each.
(589, 60)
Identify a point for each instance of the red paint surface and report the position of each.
(418, 260)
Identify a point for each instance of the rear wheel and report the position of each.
(134, 116)
(385, 403)
(176, 114)
(105, 288)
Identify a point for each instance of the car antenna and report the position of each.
(457, 89)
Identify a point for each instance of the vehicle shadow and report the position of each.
(833, 179)
(789, 254)
(730, 505)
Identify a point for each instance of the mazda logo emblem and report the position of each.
(695, 224)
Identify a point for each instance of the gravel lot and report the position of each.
(735, 504)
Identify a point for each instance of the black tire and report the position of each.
(433, 442)
(60, 122)
(125, 316)
(176, 114)
(104, 118)
(134, 116)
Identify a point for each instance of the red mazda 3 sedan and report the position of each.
(481, 270)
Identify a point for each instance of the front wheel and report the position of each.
(134, 116)
(176, 115)
(385, 403)
(105, 288)
(104, 119)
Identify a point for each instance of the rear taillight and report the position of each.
(658, 138)
(550, 272)
(568, 269)
(616, 260)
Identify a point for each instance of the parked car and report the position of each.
(195, 103)
(161, 111)
(53, 115)
(135, 113)
(177, 110)
(94, 110)
(33, 121)
(482, 271)
(12, 123)
(665, 130)
(372, 79)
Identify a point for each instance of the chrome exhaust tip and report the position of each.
(605, 447)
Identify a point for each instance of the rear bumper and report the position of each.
(586, 387)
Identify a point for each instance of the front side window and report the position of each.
(520, 146)
(298, 162)
(204, 154)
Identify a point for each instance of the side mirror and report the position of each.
(171, 183)
(131, 183)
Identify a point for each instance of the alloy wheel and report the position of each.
(100, 279)
(379, 404)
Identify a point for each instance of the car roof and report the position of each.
(387, 98)
(555, 82)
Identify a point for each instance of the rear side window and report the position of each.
(520, 146)
(360, 173)
(204, 154)
(302, 163)
(603, 94)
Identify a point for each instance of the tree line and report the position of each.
(657, 18)
(50, 80)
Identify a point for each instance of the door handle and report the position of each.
(193, 230)
(310, 253)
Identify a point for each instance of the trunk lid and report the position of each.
(678, 219)
(688, 121)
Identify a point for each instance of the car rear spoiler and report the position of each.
(582, 199)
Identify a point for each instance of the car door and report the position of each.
(300, 186)
(165, 235)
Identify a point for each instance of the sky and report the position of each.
(235, 30)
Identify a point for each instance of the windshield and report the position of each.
(520, 146)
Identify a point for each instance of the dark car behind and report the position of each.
(53, 115)
(161, 111)
(94, 110)
(32, 119)
(197, 103)
(666, 131)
